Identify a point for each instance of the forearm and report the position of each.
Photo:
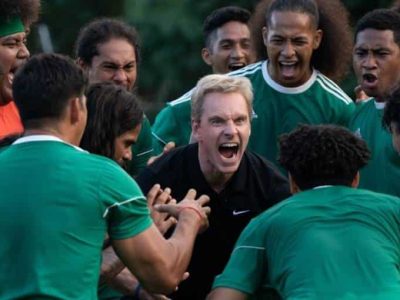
(111, 265)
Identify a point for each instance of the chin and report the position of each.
(228, 169)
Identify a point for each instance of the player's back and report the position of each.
(51, 220)
(335, 243)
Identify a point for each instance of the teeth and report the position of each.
(10, 78)
(287, 63)
(229, 145)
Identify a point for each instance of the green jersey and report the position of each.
(383, 170)
(142, 150)
(56, 204)
(276, 110)
(331, 242)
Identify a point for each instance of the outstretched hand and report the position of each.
(157, 196)
(189, 204)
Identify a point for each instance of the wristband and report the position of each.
(137, 292)
(194, 209)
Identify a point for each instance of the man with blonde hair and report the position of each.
(239, 183)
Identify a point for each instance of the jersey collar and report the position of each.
(287, 90)
(43, 138)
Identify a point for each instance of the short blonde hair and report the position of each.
(218, 83)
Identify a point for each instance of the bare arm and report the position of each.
(159, 264)
(111, 265)
(226, 293)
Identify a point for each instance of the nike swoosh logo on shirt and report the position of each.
(240, 212)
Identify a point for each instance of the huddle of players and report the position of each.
(287, 91)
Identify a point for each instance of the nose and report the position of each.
(23, 52)
(288, 49)
(127, 154)
(120, 76)
(369, 61)
(230, 128)
(237, 51)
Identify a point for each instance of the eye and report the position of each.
(109, 68)
(246, 45)
(129, 67)
(240, 121)
(299, 42)
(225, 46)
(360, 53)
(216, 121)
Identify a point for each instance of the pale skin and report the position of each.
(158, 263)
(223, 293)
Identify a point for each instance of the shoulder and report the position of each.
(174, 159)
(261, 166)
(333, 90)
(363, 109)
(182, 101)
(249, 70)
(168, 167)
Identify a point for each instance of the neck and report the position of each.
(47, 130)
(215, 178)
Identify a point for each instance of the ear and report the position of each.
(356, 180)
(195, 129)
(206, 55)
(265, 35)
(294, 188)
(317, 38)
(75, 110)
(80, 63)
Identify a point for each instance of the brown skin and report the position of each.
(329, 59)
(376, 55)
(290, 40)
(230, 48)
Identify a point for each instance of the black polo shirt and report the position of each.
(255, 187)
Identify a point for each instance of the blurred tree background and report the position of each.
(171, 37)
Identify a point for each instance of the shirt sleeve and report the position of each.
(247, 264)
(125, 206)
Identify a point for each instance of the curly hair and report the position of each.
(317, 155)
(112, 111)
(380, 19)
(392, 110)
(220, 17)
(27, 10)
(101, 31)
(330, 59)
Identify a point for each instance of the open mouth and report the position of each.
(288, 68)
(10, 75)
(228, 150)
(370, 78)
(236, 66)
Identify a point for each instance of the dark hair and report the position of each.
(392, 109)
(221, 16)
(331, 60)
(112, 111)
(380, 19)
(396, 6)
(317, 155)
(27, 10)
(43, 86)
(101, 31)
